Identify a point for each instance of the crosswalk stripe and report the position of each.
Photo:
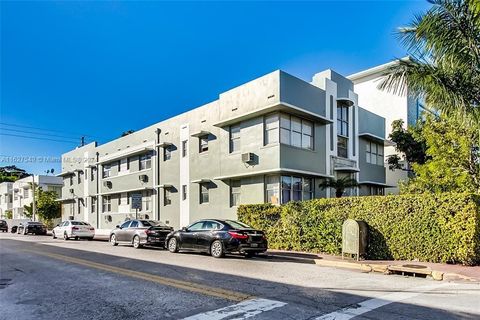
(372, 304)
(239, 311)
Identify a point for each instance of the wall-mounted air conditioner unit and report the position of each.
(248, 157)
(143, 177)
(107, 184)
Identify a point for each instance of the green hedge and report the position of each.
(427, 227)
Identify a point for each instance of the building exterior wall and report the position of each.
(179, 169)
(6, 198)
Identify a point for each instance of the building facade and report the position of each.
(391, 106)
(6, 198)
(15, 195)
(272, 139)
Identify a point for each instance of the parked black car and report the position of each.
(3, 226)
(140, 233)
(218, 237)
(13, 229)
(33, 227)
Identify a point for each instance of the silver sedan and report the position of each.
(140, 233)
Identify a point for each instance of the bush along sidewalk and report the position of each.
(427, 227)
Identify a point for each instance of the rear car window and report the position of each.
(152, 223)
(79, 223)
(238, 224)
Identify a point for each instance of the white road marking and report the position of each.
(372, 304)
(239, 311)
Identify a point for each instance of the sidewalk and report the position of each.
(438, 271)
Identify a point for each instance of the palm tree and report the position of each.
(443, 66)
(340, 185)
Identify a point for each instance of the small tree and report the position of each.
(47, 206)
(8, 214)
(340, 185)
(28, 211)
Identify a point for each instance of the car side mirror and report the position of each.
(118, 227)
(57, 225)
(184, 229)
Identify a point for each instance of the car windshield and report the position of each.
(78, 223)
(152, 223)
(237, 224)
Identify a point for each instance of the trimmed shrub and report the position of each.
(428, 227)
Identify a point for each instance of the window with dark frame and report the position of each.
(204, 197)
(93, 205)
(167, 197)
(184, 148)
(167, 153)
(235, 138)
(282, 189)
(184, 192)
(342, 131)
(145, 161)
(374, 153)
(106, 203)
(203, 143)
(93, 174)
(235, 192)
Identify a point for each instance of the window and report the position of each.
(204, 198)
(235, 191)
(93, 207)
(196, 226)
(93, 174)
(134, 224)
(184, 192)
(235, 138)
(211, 225)
(203, 143)
(167, 200)
(287, 188)
(123, 165)
(79, 206)
(107, 170)
(126, 224)
(147, 201)
(145, 161)
(296, 132)
(272, 189)
(79, 176)
(342, 121)
(167, 153)
(342, 147)
(271, 129)
(106, 204)
(184, 148)
(71, 180)
(376, 191)
(25, 193)
(342, 131)
(374, 153)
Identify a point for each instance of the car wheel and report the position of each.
(76, 238)
(90, 238)
(113, 240)
(216, 249)
(250, 254)
(173, 245)
(136, 242)
(53, 235)
(65, 236)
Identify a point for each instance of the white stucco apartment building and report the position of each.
(390, 106)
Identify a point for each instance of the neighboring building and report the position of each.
(6, 198)
(22, 192)
(272, 139)
(390, 106)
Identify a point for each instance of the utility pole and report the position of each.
(34, 207)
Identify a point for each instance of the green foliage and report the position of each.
(8, 214)
(453, 157)
(409, 142)
(11, 174)
(47, 207)
(444, 62)
(339, 185)
(428, 227)
(28, 211)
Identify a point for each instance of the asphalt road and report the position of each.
(42, 278)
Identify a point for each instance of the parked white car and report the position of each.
(73, 229)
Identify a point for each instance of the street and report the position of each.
(43, 278)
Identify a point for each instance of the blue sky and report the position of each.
(101, 68)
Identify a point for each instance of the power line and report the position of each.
(39, 133)
(38, 138)
(43, 129)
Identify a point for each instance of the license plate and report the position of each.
(254, 245)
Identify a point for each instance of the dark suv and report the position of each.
(3, 226)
